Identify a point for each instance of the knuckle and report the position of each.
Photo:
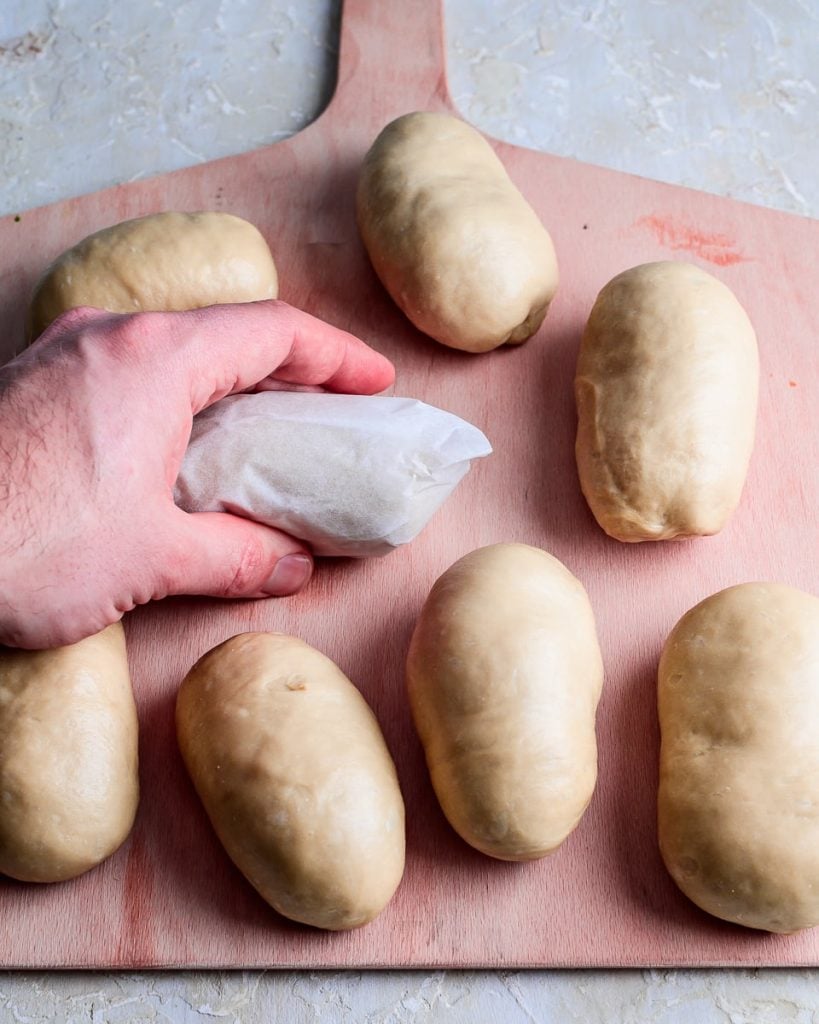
(47, 632)
(97, 334)
(72, 320)
(247, 569)
(80, 314)
(130, 335)
(285, 319)
(283, 310)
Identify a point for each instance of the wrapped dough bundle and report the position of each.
(351, 475)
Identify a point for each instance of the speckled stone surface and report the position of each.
(720, 95)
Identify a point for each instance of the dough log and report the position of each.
(666, 391)
(504, 675)
(163, 262)
(738, 809)
(454, 242)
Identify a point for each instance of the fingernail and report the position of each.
(289, 575)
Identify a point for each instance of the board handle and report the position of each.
(392, 59)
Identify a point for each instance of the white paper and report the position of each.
(348, 474)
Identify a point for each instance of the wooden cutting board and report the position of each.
(170, 896)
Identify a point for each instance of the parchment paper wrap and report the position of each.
(350, 475)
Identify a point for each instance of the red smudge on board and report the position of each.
(791, 383)
(714, 247)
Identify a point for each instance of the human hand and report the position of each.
(94, 421)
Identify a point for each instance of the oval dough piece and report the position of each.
(166, 261)
(739, 758)
(455, 244)
(504, 675)
(666, 391)
(69, 786)
(295, 776)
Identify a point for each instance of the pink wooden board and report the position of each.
(170, 896)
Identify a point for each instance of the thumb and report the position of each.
(223, 555)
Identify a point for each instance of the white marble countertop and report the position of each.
(721, 95)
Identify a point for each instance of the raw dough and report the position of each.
(455, 244)
(68, 757)
(166, 261)
(739, 760)
(666, 391)
(504, 675)
(294, 773)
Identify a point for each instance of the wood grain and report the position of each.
(170, 897)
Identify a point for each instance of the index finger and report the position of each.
(233, 348)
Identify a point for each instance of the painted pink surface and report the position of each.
(170, 896)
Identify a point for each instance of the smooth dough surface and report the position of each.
(165, 261)
(69, 786)
(666, 390)
(454, 242)
(504, 675)
(739, 762)
(293, 771)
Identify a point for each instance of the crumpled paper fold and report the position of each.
(350, 475)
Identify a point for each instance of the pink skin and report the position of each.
(94, 421)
